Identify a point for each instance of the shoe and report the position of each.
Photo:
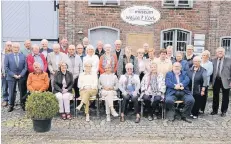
(10, 108)
(23, 107)
(150, 118)
(213, 113)
(69, 117)
(87, 118)
(223, 114)
(186, 120)
(108, 118)
(63, 116)
(122, 119)
(114, 113)
(78, 108)
(195, 117)
(4, 103)
(137, 120)
(191, 116)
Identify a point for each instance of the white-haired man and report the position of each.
(221, 80)
(64, 45)
(44, 48)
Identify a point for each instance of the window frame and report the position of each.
(175, 38)
(221, 41)
(176, 5)
(104, 4)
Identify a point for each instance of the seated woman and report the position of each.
(153, 89)
(63, 83)
(87, 83)
(38, 80)
(129, 85)
(108, 84)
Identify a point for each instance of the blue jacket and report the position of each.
(11, 67)
(170, 82)
(184, 64)
(48, 50)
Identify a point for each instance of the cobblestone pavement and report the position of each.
(17, 129)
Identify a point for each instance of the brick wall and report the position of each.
(211, 18)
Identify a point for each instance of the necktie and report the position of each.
(219, 68)
(16, 59)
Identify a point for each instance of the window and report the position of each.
(226, 43)
(177, 3)
(177, 38)
(104, 2)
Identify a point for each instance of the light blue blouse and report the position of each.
(209, 68)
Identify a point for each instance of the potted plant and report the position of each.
(41, 107)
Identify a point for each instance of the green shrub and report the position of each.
(41, 105)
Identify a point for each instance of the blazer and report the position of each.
(48, 50)
(11, 67)
(170, 82)
(78, 68)
(30, 62)
(99, 54)
(225, 72)
(184, 65)
(58, 79)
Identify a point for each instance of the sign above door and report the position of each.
(140, 15)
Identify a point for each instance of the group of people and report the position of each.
(89, 71)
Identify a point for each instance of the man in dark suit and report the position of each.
(221, 80)
(16, 68)
(177, 89)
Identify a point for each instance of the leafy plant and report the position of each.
(41, 105)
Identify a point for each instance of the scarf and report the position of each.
(109, 60)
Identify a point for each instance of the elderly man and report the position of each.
(99, 49)
(170, 53)
(35, 56)
(5, 94)
(79, 51)
(118, 51)
(54, 58)
(164, 64)
(146, 47)
(64, 45)
(85, 44)
(44, 48)
(221, 80)
(27, 49)
(189, 55)
(76, 67)
(177, 83)
(16, 68)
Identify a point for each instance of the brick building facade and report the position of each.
(210, 18)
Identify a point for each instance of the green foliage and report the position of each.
(42, 105)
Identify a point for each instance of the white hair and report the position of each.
(35, 46)
(220, 48)
(88, 62)
(44, 41)
(37, 63)
(8, 42)
(169, 47)
(56, 45)
(16, 44)
(206, 52)
(107, 45)
(90, 47)
(197, 58)
(129, 65)
(189, 46)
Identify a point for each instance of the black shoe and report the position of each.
(150, 118)
(186, 120)
(10, 108)
(223, 114)
(213, 113)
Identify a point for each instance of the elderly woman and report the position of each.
(87, 83)
(108, 84)
(90, 56)
(141, 62)
(184, 63)
(106, 59)
(208, 65)
(129, 85)
(63, 83)
(197, 84)
(127, 58)
(189, 55)
(153, 89)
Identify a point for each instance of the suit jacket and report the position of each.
(11, 67)
(184, 65)
(225, 72)
(170, 82)
(48, 50)
(51, 60)
(30, 62)
(78, 68)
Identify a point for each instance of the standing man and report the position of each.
(76, 67)
(35, 56)
(99, 50)
(170, 53)
(44, 48)
(64, 45)
(189, 55)
(118, 51)
(80, 51)
(16, 68)
(85, 44)
(146, 47)
(27, 49)
(7, 50)
(221, 80)
(54, 58)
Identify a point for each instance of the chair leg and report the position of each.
(119, 101)
(142, 109)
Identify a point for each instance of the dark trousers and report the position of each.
(5, 93)
(225, 96)
(75, 87)
(152, 106)
(204, 100)
(12, 90)
(134, 100)
(197, 104)
(188, 104)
